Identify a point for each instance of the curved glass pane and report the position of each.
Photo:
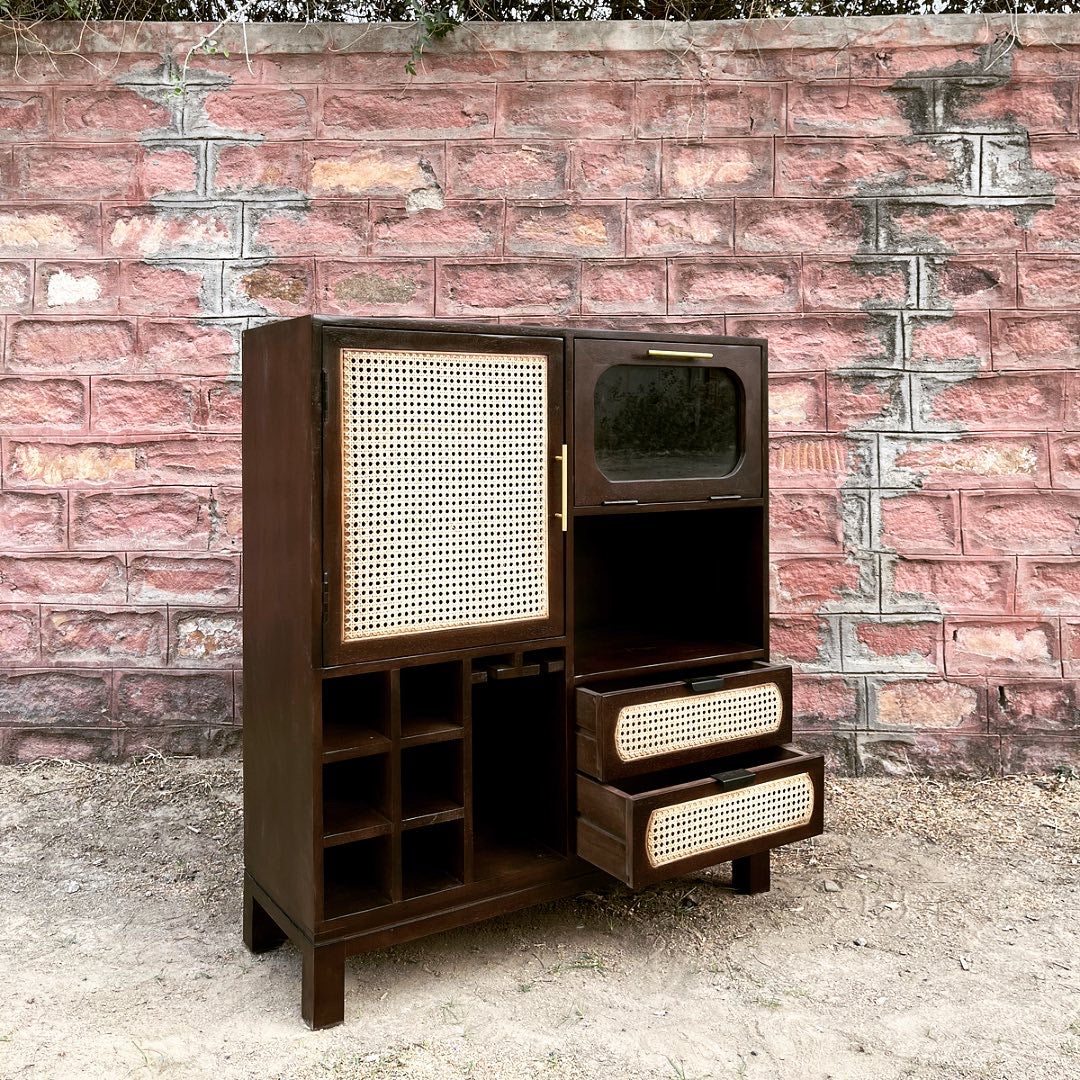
(666, 423)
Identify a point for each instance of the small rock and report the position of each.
(965, 963)
(860, 941)
(892, 905)
(831, 886)
(72, 887)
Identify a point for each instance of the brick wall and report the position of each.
(894, 203)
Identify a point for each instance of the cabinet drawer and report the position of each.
(625, 731)
(653, 828)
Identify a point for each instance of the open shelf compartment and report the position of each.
(356, 877)
(432, 703)
(356, 713)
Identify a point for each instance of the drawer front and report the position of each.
(642, 835)
(627, 732)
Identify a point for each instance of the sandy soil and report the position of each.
(934, 931)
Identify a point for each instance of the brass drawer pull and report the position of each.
(683, 355)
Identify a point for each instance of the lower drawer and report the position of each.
(657, 827)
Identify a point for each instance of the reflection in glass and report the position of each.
(663, 423)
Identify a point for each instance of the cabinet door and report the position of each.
(443, 491)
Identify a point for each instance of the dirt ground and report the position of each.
(934, 931)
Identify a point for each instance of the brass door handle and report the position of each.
(563, 514)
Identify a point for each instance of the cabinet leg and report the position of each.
(261, 933)
(323, 995)
(750, 874)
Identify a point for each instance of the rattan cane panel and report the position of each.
(444, 457)
(717, 821)
(665, 727)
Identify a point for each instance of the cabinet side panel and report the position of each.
(281, 414)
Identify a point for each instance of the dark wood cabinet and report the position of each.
(506, 628)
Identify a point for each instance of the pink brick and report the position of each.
(558, 65)
(170, 579)
(850, 107)
(23, 116)
(189, 346)
(807, 642)
(806, 521)
(78, 288)
(205, 639)
(826, 701)
(77, 172)
(957, 586)
(965, 461)
(701, 226)
(95, 636)
(46, 230)
(42, 405)
(466, 228)
(935, 165)
(308, 229)
(1030, 706)
(797, 403)
(114, 114)
(1049, 281)
(32, 521)
(163, 519)
(1070, 647)
(188, 287)
(990, 403)
(965, 282)
(1049, 59)
(867, 400)
(948, 342)
(1048, 586)
(1033, 106)
(594, 110)
(919, 522)
(616, 286)
(391, 287)
(815, 583)
(63, 579)
(582, 229)
(703, 110)
(893, 643)
(143, 404)
(226, 520)
(54, 698)
(16, 288)
(1046, 340)
(172, 232)
(827, 461)
(422, 112)
(808, 342)
(158, 699)
(74, 346)
(1065, 460)
(858, 283)
(268, 113)
(1056, 228)
(1001, 646)
(256, 169)
(927, 226)
(1026, 524)
(1072, 402)
(168, 170)
(283, 287)
(27, 745)
(222, 404)
(1060, 157)
(702, 286)
(19, 634)
(914, 704)
(616, 169)
(508, 170)
(707, 170)
(792, 226)
(528, 287)
(1039, 754)
(392, 171)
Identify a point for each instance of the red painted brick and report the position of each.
(559, 65)
(1039, 754)
(390, 287)
(816, 583)
(187, 287)
(423, 112)
(806, 343)
(948, 342)
(1056, 228)
(20, 634)
(616, 286)
(78, 288)
(77, 172)
(189, 347)
(1065, 460)
(967, 282)
(701, 226)
(1059, 156)
(990, 403)
(204, 639)
(793, 226)
(1006, 170)
(914, 704)
(616, 169)
(308, 229)
(170, 170)
(162, 519)
(33, 521)
(49, 230)
(508, 170)
(283, 287)
(867, 400)
(850, 107)
(1049, 59)
(594, 110)
(932, 165)
(1001, 646)
(826, 702)
(797, 403)
(807, 642)
(54, 698)
(27, 745)
(114, 114)
(528, 287)
(1026, 707)
(964, 461)
(172, 232)
(16, 288)
(97, 636)
(806, 521)
(701, 110)
(1033, 106)
(393, 171)
(465, 228)
(222, 405)
(159, 699)
(1072, 401)
(957, 586)
(900, 643)
(269, 113)
(165, 579)
(703, 286)
(918, 522)
(1026, 524)
(580, 230)
(41, 405)
(256, 169)
(826, 461)
(62, 579)
(226, 520)
(1049, 281)
(927, 226)
(143, 404)
(1046, 340)
(1070, 647)
(831, 284)
(74, 346)
(1048, 586)
(708, 170)
(23, 116)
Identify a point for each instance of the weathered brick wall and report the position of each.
(895, 204)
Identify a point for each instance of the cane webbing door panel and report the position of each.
(443, 492)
